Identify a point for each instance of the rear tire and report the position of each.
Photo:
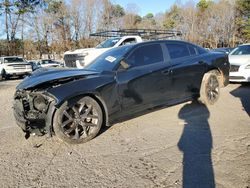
(78, 122)
(210, 88)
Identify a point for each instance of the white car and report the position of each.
(14, 66)
(45, 63)
(81, 57)
(239, 60)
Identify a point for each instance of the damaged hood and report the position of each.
(44, 75)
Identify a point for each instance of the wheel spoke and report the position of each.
(85, 124)
(85, 132)
(92, 116)
(67, 115)
(67, 122)
(81, 107)
(76, 111)
(90, 125)
(88, 110)
(68, 131)
(77, 135)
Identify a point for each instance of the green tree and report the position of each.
(243, 18)
(172, 17)
(203, 5)
(117, 11)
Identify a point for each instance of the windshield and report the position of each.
(241, 50)
(108, 60)
(13, 60)
(108, 43)
(49, 62)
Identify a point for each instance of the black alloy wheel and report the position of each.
(79, 122)
(210, 88)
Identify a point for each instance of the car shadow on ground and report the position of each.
(196, 144)
(243, 93)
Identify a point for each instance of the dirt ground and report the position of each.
(187, 145)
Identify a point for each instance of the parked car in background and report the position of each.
(224, 50)
(33, 64)
(14, 66)
(239, 60)
(120, 83)
(44, 63)
(82, 57)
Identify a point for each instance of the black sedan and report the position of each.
(74, 104)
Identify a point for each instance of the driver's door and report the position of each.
(146, 82)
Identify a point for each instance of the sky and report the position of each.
(155, 6)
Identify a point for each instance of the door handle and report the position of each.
(166, 72)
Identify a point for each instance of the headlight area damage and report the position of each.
(34, 105)
(33, 111)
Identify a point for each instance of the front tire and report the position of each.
(4, 75)
(210, 88)
(78, 121)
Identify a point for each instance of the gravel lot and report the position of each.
(186, 145)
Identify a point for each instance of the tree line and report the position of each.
(34, 28)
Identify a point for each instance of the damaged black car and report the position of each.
(74, 104)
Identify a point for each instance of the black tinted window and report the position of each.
(145, 55)
(109, 59)
(177, 50)
(201, 50)
(192, 50)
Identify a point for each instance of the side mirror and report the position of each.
(124, 64)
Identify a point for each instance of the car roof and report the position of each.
(247, 44)
(165, 41)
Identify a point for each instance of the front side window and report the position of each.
(145, 55)
(109, 59)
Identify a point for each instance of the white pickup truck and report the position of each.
(82, 57)
(14, 66)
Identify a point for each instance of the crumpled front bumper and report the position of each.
(19, 116)
(40, 124)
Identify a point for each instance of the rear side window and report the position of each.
(201, 50)
(192, 50)
(177, 50)
(145, 55)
